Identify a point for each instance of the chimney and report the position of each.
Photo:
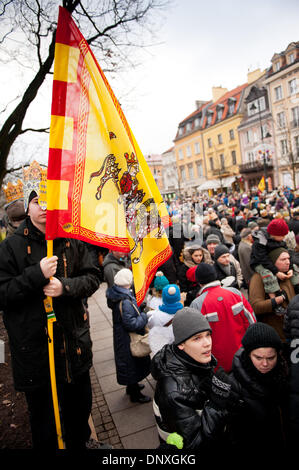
(254, 75)
(199, 103)
(217, 92)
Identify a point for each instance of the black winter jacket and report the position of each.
(21, 299)
(129, 369)
(291, 330)
(182, 399)
(261, 248)
(259, 424)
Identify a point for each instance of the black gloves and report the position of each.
(223, 396)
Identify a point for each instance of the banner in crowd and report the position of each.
(99, 187)
(262, 184)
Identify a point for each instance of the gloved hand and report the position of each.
(223, 396)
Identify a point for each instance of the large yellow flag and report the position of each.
(99, 187)
(262, 184)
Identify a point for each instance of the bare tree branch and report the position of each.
(110, 25)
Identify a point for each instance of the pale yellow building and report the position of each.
(221, 139)
(188, 149)
(282, 80)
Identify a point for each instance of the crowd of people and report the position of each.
(221, 317)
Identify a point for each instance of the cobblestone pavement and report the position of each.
(103, 423)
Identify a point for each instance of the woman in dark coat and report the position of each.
(259, 371)
(126, 317)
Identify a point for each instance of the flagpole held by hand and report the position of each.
(51, 318)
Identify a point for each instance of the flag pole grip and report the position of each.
(51, 318)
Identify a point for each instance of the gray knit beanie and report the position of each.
(188, 322)
(212, 238)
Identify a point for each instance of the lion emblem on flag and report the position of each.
(142, 217)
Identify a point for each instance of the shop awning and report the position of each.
(216, 184)
(210, 184)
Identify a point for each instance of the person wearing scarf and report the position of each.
(260, 372)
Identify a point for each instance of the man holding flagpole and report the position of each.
(27, 275)
(99, 190)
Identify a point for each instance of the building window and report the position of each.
(278, 93)
(256, 106)
(296, 139)
(231, 134)
(188, 151)
(276, 66)
(250, 157)
(211, 163)
(199, 170)
(197, 122)
(295, 116)
(219, 113)
(234, 157)
(197, 148)
(231, 107)
(293, 86)
(188, 126)
(291, 58)
(284, 147)
(181, 129)
(191, 171)
(281, 119)
(264, 131)
(220, 140)
(181, 155)
(209, 143)
(209, 119)
(222, 163)
(249, 136)
(183, 173)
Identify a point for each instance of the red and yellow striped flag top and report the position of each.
(99, 187)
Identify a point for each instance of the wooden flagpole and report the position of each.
(51, 318)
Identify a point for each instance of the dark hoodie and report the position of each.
(111, 266)
(259, 424)
(182, 398)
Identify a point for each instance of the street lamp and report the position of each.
(253, 107)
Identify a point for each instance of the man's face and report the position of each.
(199, 347)
(224, 259)
(283, 262)
(37, 215)
(264, 359)
(211, 248)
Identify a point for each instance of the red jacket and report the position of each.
(229, 315)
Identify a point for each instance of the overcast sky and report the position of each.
(204, 44)
(201, 44)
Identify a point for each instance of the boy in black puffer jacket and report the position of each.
(190, 399)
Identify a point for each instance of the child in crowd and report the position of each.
(154, 298)
(160, 320)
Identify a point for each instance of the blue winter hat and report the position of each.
(160, 281)
(171, 297)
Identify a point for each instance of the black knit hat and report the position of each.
(274, 254)
(261, 335)
(205, 273)
(188, 322)
(220, 250)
